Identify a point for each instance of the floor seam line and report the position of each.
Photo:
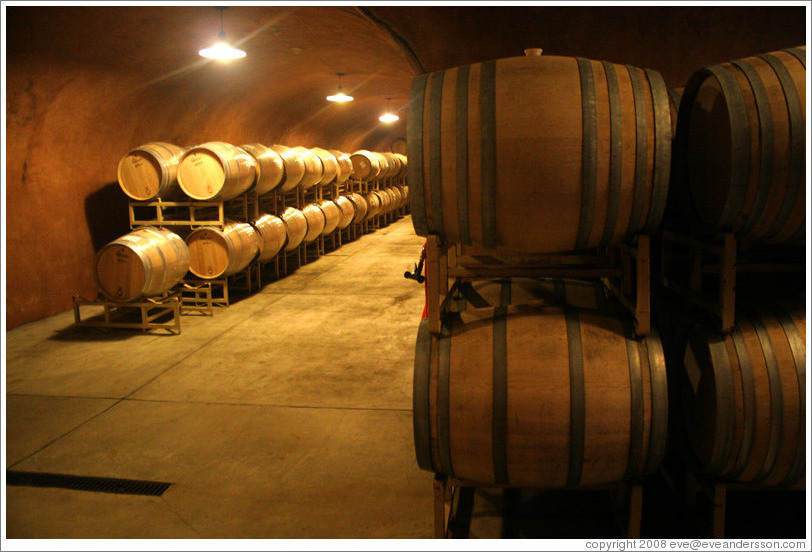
(311, 407)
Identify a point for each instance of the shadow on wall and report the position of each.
(106, 214)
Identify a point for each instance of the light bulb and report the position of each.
(222, 50)
(340, 97)
(388, 118)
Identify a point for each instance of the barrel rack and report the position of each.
(722, 255)
(625, 271)
(146, 315)
(703, 271)
(704, 498)
(201, 296)
(449, 496)
(184, 216)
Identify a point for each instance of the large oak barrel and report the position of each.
(373, 202)
(150, 171)
(315, 222)
(539, 397)
(361, 207)
(383, 163)
(403, 164)
(397, 197)
(347, 211)
(273, 234)
(270, 167)
(344, 166)
(329, 165)
(365, 165)
(294, 167)
(744, 398)
(740, 148)
(404, 192)
(385, 201)
(296, 226)
(219, 253)
(216, 170)
(143, 263)
(393, 164)
(538, 154)
(314, 168)
(332, 216)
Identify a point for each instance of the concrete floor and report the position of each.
(285, 415)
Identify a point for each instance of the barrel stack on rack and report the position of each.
(540, 388)
(212, 215)
(733, 273)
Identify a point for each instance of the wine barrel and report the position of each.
(404, 190)
(314, 169)
(332, 216)
(740, 148)
(396, 193)
(569, 292)
(365, 165)
(294, 167)
(344, 166)
(270, 167)
(150, 171)
(273, 235)
(393, 163)
(361, 207)
(744, 399)
(383, 162)
(347, 211)
(394, 197)
(219, 253)
(216, 170)
(329, 165)
(539, 397)
(385, 200)
(315, 222)
(143, 263)
(373, 201)
(403, 164)
(296, 226)
(578, 159)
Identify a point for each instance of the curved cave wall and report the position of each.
(86, 84)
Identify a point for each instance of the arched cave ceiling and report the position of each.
(276, 94)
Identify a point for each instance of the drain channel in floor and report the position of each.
(84, 483)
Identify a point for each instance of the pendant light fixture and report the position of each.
(388, 117)
(222, 50)
(339, 96)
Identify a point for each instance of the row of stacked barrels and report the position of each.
(560, 396)
(150, 261)
(221, 171)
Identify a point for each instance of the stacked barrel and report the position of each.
(538, 393)
(739, 171)
(273, 201)
(536, 390)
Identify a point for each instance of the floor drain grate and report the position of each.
(84, 483)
